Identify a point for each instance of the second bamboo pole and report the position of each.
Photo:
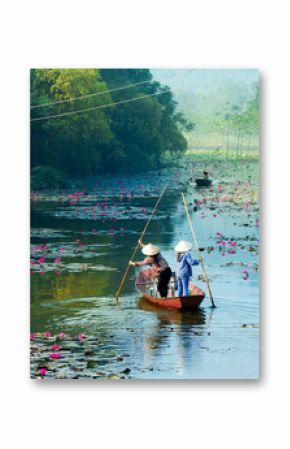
(197, 249)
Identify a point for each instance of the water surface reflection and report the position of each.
(77, 295)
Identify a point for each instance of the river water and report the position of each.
(80, 245)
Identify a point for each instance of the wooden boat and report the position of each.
(203, 182)
(145, 284)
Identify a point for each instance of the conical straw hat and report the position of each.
(150, 250)
(183, 246)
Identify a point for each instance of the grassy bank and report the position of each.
(222, 154)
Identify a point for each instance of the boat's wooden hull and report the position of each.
(178, 303)
(201, 182)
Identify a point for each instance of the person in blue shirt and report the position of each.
(184, 266)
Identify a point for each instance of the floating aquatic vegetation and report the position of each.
(103, 212)
(47, 233)
(79, 356)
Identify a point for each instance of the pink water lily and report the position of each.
(55, 347)
(219, 234)
(41, 260)
(62, 335)
(245, 275)
(61, 250)
(54, 355)
(232, 243)
(44, 247)
(42, 371)
(46, 334)
(82, 337)
(32, 337)
(57, 260)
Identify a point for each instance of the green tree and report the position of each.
(147, 128)
(68, 143)
(128, 136)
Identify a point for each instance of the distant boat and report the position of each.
(203, 182)
(146, 286)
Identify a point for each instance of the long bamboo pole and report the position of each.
(197, 249)
(137, 246)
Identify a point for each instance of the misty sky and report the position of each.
(207, 90)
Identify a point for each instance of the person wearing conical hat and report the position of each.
(184, 266)
(158, 264)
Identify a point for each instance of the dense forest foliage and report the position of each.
(129, 136)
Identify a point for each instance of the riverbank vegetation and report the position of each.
(221, 154)
(96, 121)
(107, 137)
(231, 127)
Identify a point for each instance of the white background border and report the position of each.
(127, 33)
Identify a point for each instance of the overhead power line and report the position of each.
(98, 107)
(90, 95)
(99, 93)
